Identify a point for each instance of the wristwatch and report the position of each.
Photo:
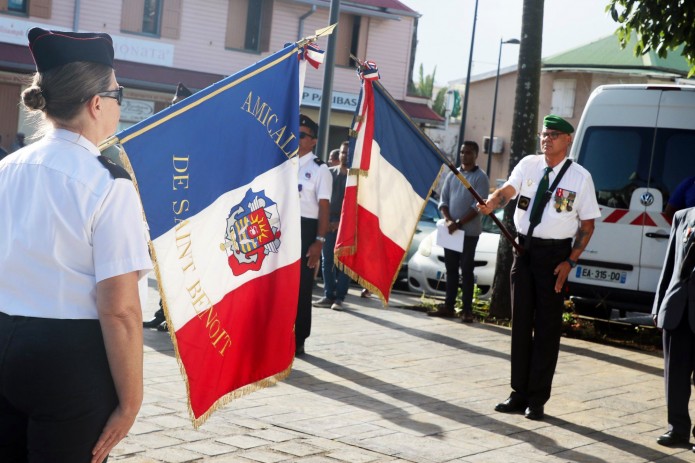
(573, 263)
(323, 239)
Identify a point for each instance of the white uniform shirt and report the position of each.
(315, 184)
(573, 200)
(66, 225)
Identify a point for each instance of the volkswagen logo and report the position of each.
(647, 199)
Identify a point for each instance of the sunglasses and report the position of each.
(303, 135)
(551, 135)
(115, 94)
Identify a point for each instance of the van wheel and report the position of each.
(592, 309)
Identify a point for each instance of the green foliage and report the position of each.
(660, 25)
(425, 84)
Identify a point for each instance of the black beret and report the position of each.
(306, 121)
(51, 49)
(181, 92)
(554, 122)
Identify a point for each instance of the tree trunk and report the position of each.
(524, 139)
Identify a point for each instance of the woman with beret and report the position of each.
(72, 250)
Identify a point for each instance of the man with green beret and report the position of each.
(554, 218)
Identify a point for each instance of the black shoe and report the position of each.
(510, 406)
(153, 323)
(671, 439)
(534, 413)
(299, 350)
(442, 311)
(164, 326)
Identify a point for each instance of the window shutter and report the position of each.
(236, 24)
(266, 24)
(171, 19)
(40, 8)
(342, 48)
(132, 13)
(563, 97)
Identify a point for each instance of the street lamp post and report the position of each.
(494, 103)
(464, 108)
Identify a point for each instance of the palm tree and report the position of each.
(523, 140)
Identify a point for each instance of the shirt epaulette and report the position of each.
(115, 170)
(318, 161)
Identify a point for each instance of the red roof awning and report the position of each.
(421, 113)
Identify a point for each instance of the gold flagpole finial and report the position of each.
(328, 30)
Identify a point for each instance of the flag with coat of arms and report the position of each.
(217, 177)
(394, 167)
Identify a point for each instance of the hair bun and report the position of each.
(34, 98)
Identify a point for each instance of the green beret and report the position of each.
(554, 122)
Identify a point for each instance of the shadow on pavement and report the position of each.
(452, 412)
(458, 344)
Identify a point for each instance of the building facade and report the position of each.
(567, 81)
(159, 43)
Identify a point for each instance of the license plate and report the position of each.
(600, 274)
(441, 276)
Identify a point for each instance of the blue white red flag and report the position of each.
(217, 176)
(394, 167)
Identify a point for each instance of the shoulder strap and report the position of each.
(115, 170)
(318, 161)
(545, 198)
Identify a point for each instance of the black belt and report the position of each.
(543, 242)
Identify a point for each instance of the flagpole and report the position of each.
(460, 176)
(480, 200)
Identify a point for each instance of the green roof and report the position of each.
(607, 54)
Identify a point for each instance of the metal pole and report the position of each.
(494, 105)
(327, 94)
(464, 108)
(494, 110)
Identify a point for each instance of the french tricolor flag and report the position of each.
(217, 176)
(394, 167)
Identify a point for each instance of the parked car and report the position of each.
(427, 223)
(426, 271)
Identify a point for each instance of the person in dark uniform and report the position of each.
(315, 186)
(74, 248)
(555, 223)
(674, 312)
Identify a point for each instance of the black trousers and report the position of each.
(453, 261)
(536, 319)
(56, 389)
(679, 365)
(302, 326)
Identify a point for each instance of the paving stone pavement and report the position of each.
(393, 385)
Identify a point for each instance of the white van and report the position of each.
(638, 142)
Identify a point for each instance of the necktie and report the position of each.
(688, 261)
(537, 211)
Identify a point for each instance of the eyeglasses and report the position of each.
(115, 94)
(303, 135)
(551, 135)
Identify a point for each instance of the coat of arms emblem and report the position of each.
(253, 232)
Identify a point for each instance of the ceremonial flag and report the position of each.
(217, 176)
(394, 167)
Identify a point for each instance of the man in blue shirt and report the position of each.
(459, 209)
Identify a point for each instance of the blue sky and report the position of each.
(444, 32)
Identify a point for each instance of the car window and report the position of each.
(489, 226)
(619, 159)
(431, 212)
